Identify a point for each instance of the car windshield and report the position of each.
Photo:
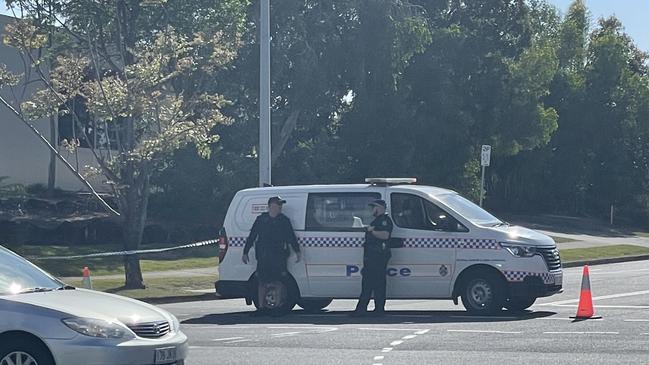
(18, 275)
(469, 210)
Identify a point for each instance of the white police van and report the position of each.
(445, 247)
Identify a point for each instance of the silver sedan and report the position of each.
(45, 322)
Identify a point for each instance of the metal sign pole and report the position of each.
(482, 186)
(264, 96)
(485, 160)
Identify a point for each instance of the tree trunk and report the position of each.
(51, 175)
(135, 204)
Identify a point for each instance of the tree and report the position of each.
(140, 69)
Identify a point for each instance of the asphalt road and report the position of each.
(435, 332)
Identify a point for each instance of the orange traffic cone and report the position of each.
(585, 309)
(86, 282)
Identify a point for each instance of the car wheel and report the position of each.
(24, 353)
(314, 305)
(280, 299)
(483, 294)
(519, 304)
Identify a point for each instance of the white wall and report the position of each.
(23, 157)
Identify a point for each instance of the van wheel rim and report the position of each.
(480, 294)
(18, 358)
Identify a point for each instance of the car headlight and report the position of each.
(95, 327)
(518, 250)
(175, 324)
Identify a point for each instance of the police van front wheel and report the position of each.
(483, 294)
(314, 305)
(519, 304)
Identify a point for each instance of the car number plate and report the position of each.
(165, 355)
(558, 279)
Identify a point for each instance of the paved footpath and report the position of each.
(435, 332)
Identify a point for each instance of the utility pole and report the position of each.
(264, 96)
(485, 160)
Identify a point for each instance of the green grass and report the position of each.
(592, 253)
(156, 287)
(173, 260)
(562, 239)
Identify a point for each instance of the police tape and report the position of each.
(129, 252)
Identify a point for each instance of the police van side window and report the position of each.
(412, 212)
(344, 212)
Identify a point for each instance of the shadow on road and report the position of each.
(343, 317)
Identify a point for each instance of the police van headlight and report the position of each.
(518, 250)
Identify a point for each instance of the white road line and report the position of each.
(606, 306)
(422, 332)
(237, 341)
(581, 333)
(613, 296)
(389, 329)
(409, 337)
(483, 331)
(285, 334)
(378, 358)
(636, 320)
(318, 329)
(396, 343)
(386, 349)
(227, 339)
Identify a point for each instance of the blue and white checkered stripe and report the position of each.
(461, 243)
(331, 241)
(464, 243)
(237, 241)
(518, 276)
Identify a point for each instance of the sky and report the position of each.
(632, 13)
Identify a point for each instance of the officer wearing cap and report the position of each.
(376, 254)
(271, 234)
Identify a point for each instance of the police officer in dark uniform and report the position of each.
(272, 234)
(376, 254)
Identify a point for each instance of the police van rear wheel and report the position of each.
(483, 294)
(275, 304)
(314, 305)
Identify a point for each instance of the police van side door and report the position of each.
(333, 238)
(423, 267)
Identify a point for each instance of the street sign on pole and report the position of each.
(485, 155)
(485, 160)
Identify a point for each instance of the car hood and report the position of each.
(92, 304)
(525, 236)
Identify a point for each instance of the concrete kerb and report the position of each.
(607, 260)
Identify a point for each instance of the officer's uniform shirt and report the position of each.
(374, 245)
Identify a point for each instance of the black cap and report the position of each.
(378, 202)
(276, 200)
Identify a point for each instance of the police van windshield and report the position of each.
(469, 210)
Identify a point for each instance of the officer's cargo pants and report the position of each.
(374, 282)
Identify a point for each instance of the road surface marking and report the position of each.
(636, 320)
(607, 306)
(396, 343)
(378, 358)
(613, 296)
(389, 329)
(227, 339)
(318, 329)
(581, 333)
(285, 334)
(422, 332)
(486, 317)
(386, 349)
(483, 331)
(237, 341)
(409, 337)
